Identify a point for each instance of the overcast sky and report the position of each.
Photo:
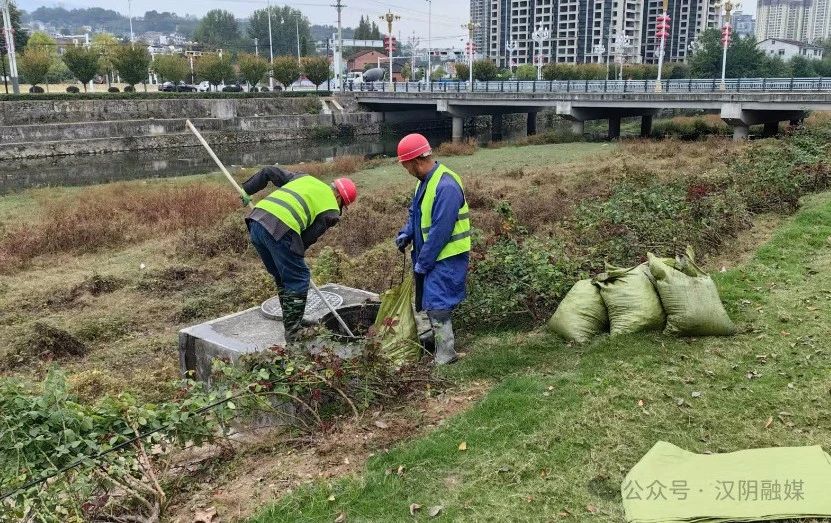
(447, 17)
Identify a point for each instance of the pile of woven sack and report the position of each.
(673, 295)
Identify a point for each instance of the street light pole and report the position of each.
(725, 39)
(429, 75)
(130, 14)
(270, 50)
(390, 17)
(511, 47)
(297, 27)
(662, 32)
(540, 35)
(338, 58)
(470, 26)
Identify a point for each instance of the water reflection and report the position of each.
(17, 175)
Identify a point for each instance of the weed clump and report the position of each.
(43, 342)
(460, 148)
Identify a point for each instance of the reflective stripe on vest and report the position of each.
(460, 240)
(299, 202)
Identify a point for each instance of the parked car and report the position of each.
(181, 87)
(232, 88)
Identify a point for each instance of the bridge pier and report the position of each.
(578, 127)
(614, 127)
(458, 128)
(531, 126)
(496, 127)
(646, 126)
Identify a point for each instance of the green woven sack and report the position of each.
(690, 298)
(631, 300)
(395, 325)
(581, 315)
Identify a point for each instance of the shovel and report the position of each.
(240, 190)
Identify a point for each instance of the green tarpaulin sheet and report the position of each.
(670, 484)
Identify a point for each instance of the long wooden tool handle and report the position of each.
(211, 152)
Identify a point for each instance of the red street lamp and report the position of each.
(662, 28)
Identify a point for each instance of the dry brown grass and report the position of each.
(460, 148)
(339, 166)
(111, 216)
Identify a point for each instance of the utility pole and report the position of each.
(7, 23)
(429, 76)
(257, 46)
(414, 41)
(539, 36)
(470, 26)
(339, 49)
(270, 50)
(390, 17)
(297, 27)
(130, 14)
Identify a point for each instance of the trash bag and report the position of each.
(581, 315)
(690, 298)
(631, 300)
(395, 325)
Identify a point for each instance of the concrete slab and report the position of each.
(250, 331)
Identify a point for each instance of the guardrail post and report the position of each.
(568, 86)
(713, 87)
(738, 84)
(605, 82)
(819, 83)
(764, 83)
(791, 87)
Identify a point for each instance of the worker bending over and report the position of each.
(439, 228)
(286, 223)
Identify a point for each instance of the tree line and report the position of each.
(108, 58)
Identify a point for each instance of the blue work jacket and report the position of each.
(443, 286)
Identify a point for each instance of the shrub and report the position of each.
(460, 148)
(114, 89)
(129, 89)
(72, 89)
(690, 128)
(36, 89)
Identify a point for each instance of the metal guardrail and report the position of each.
(733, 85)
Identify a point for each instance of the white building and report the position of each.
(787, 49)
(802, 20)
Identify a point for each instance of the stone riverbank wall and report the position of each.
(43, 128)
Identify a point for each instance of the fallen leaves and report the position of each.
(341, 518)
(381, 424)
(434, 511)
(463, 446)
(592, 509)
(769, 422)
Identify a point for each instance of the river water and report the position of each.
(18, 175)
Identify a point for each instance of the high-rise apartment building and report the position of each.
(743, 24)
(586, 31)
(480, 14)
(782, 19)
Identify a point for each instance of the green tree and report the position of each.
(252, 68)
(526, 72)
(406, 72)
(172, 67)
(34, 65)
(316, 69)
(285, 22)
(132, 64)
(802, 67)
(40, 41)
(462, 71)
(439, 73)
(106, 45)
(744, 59)
(82, 62)
(219, 28)
(286, 70)
(214, 69)
(485, 70)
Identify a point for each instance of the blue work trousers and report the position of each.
(289, 270)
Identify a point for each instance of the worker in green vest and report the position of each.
(439, 229)
(286, 223)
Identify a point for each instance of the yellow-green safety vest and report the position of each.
(460, 239)
(299, 202)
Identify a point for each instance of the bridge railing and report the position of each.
(606, 86)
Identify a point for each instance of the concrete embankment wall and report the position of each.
(30, 129)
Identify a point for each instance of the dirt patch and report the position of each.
(746, 243)
(263, 475)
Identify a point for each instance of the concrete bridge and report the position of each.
(741, 103)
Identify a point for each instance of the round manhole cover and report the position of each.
(272, 309)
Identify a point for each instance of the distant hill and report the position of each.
(99, 19)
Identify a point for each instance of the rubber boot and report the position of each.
(445, 341)
(294, 305)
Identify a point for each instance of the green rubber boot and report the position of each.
(294, 305)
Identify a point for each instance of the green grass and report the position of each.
(562, 425)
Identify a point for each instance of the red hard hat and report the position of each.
(413, 146)
(347, 190)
